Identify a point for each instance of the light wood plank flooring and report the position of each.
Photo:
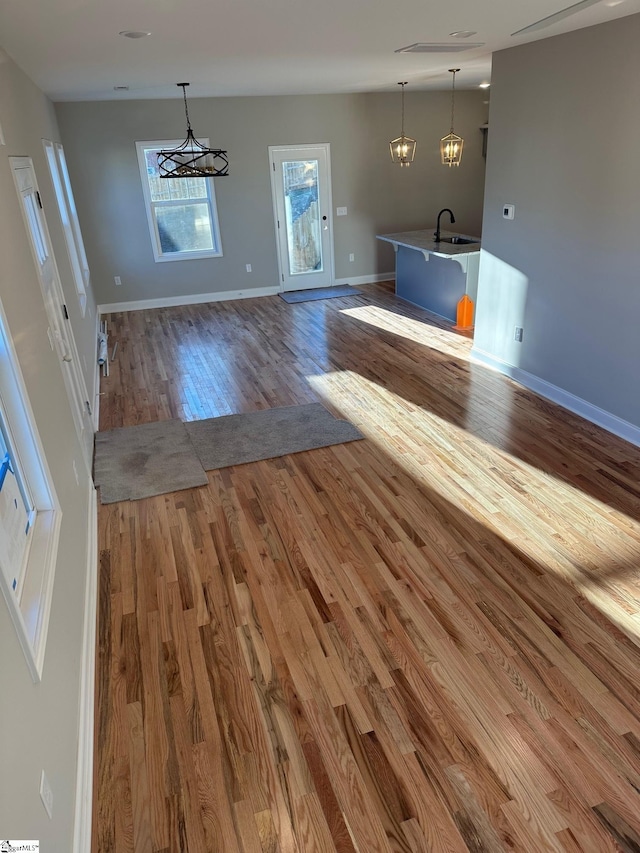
(423, 641)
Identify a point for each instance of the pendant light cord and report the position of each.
(186, 108)
(402, 122)
(453, 95)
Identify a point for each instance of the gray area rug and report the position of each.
(145, 460)
(236, 439)
(319, 293)
(152, 459)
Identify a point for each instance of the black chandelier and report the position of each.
(192, 159)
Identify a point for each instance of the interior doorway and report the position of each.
(301, 189)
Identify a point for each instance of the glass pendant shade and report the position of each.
(403, 149)
(192, 159)
(451, 145)
(451, 149)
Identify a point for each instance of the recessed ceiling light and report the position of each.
(134, 34)
(484, 85)
(463, 34)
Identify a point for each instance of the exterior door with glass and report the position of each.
(301, 188)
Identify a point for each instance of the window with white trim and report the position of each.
(30, 515)
(17, 511)
(181, 212)
(69, 215)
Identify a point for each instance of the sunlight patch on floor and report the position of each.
(404, 327)
(501, 491)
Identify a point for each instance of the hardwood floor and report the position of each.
(423, 641)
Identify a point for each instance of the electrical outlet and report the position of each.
(249, 268)
(117, 280)
(46, 795)
(341, 211)
(352, 257)
(518, 334)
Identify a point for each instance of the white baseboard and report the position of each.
(96, 411)
(96, 381)
(189, 299)
(586, 410)
(84, 775)
(366, 279)
(226, 295)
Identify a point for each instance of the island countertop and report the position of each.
(423, 241)
(450, 271)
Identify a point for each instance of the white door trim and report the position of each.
(330, 262)
(60, 331)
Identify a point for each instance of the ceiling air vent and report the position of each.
(439, 47)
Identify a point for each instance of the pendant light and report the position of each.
(403, 149)
(192, 159)
(451, 145)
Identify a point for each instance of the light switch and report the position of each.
(509, 211)
(341, 211)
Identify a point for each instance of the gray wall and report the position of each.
(564, 127)
(99, 139)
(39, 723)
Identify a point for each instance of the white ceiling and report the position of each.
(72, 50)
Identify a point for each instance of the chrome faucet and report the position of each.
(453, 219)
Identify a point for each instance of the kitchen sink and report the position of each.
(457, 241)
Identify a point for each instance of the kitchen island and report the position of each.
(435, 275)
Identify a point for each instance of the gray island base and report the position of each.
(435, 276)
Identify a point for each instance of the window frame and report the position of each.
(59, 173)
(16, 468)
(150, 206)
(30, 604)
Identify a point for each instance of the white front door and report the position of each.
(301, 187)
(60, 333)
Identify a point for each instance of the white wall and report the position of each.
(564, 126)
(381, 197)
(39, 722)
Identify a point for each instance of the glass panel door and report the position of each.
(302, 204)
(300, 182)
